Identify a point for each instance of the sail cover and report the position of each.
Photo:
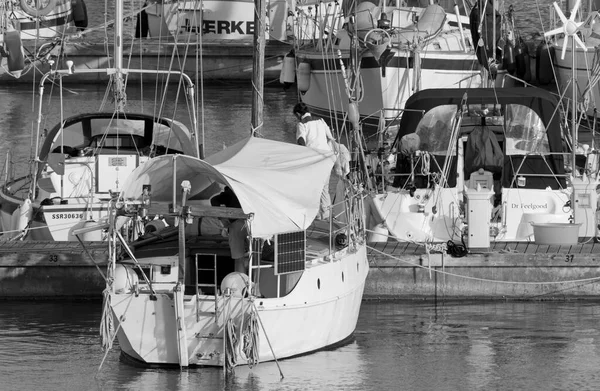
(280, 183)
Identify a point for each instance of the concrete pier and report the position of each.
(508, 271)
(43, 270)
(518, 271)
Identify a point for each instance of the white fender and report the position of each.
(353, 114)
(288, 69)
(22, 215)
(32, 10)
(125, 279)
(303, 77)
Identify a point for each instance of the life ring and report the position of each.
(32, 10)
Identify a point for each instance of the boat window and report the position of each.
(525, 131)
(435, 128)
(72, 136)
(106, 126)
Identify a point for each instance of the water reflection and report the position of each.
(407, 346)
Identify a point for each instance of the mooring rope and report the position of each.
(106, 322)
(230, 344)
(255, 310)
(250, 339)
(112, 339)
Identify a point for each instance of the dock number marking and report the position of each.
(53, 258)
(569, 258)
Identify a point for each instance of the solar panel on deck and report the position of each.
(290, 252)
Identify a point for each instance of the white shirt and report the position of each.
(315, 133)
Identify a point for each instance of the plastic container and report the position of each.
(556, 233)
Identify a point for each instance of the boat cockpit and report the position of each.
(508, 155)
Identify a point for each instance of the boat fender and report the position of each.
(14, 52)
(36, 12)
(288, 69)
(522, 61)
(303, 77)
(353, 114)
(80, 15)
(142, 28)
(22, 216)
(237, 283)
(508, 58)
(500, 46)
(543, 67)
(480, 51)
(125, 279)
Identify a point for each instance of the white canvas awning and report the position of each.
(280, 183)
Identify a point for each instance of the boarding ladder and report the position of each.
(206, 285)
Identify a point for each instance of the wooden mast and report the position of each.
(258, 63)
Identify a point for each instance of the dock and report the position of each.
(43, 270)
(398, 271)
(505, 271)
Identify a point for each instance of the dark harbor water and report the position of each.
(397, 346)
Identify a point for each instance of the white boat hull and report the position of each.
(320, 311)
(386, 90)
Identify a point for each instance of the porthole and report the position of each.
(342, 276)
(318, 283)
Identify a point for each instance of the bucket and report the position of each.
(379, 234)
(556, 233)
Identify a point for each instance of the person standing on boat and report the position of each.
(238, 232)
(315, 133)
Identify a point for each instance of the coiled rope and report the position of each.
(230, 344)
(250, 339)
(456, 250)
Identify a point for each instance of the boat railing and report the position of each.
(382, 180)
(517, 79)
(119, 72)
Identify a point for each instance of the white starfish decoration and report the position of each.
(569, 28)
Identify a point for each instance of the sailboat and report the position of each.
(170, 33)
(397, 49)
(486, 167)
(177, 296)
(83, 161)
